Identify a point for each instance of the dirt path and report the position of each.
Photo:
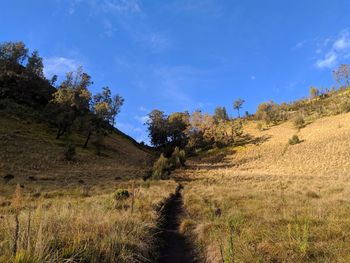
(175, 248)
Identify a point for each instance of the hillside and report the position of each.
(31, 154)
(323, 150)
(271, 201)
(95, 207)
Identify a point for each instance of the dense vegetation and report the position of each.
(71, 108)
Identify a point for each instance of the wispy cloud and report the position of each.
(109, 28)
(301, 44)
(59, 66)
(142, 119)
(334, 51)
(207, 7)
(143, 109)
(138, 133)
(127, 16)
(125, 6)
(176, 80)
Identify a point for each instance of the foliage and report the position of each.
(345, 106)
(35, 65)
(121, 194)
(342, 74)
(268, 111)
(107, 106)
(12, 55)
(220, 114)
(299, 122)
(314, 92)
(294, 140)
(237, 105)
(160, 168)
(178, 124)
(178, 158)
(157, 128)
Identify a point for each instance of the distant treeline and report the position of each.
(198, 131)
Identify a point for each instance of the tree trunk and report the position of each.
(58, 134)
(87, 140)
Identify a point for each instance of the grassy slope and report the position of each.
(69, 212)
(278, 203)
(30, 149)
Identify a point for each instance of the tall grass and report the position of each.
(84, 229)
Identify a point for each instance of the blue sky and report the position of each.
(180, 55)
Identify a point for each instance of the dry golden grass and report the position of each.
(68, 209)
(30, 152)
(274, 202)
(77, 225)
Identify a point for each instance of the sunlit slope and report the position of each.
(324, 149)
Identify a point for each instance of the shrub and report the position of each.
(160, 168)
(69, 152)
(294, 140)
(182, 157)
(345, 106)
(178, 158)
(314, 92)
(299, 122)
(121, 194)
(312, 194)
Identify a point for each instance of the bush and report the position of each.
(294, 140)
(345, 106)
(161, 168)
(121, 194)
(69, 152)
(178, 158)
(299, 122)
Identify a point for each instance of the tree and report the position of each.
(178, 124)
(105, 108)
(72, 98)
(220, 114)
(53, 80)
(35, 65)
(195, 132)
(12, 55)
(267, 111)
(342, 74)
(314, 92)
(237, 105)
(117, 103)
(157, 128)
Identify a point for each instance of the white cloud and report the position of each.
(174, 81)
(301, 44)
(143, 109)
(337, 50)
(142, 119)
(59, 66)
(109, 29)
(125, 6)
(328, 61)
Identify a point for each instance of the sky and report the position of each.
(177, 55)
